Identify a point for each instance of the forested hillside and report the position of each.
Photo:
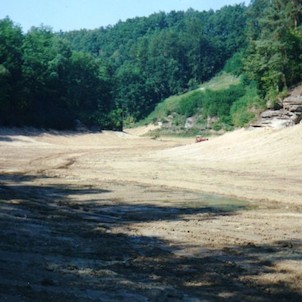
(101, 76)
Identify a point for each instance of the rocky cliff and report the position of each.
(284, 114)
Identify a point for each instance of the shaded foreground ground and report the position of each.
(114, 217)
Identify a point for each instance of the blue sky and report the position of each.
(76, 14)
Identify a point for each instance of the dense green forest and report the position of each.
(100, 77)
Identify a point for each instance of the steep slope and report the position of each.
(199, 109)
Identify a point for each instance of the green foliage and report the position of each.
(178, 120)
(46, 84)
(232, 102)
(218, 103)
(164, 54)
(234, 65)
(165, 108)
(221, 81)
(201, 101)
(190, 103)
(104, 76)
(11, 102)
(244, 110)
(273, 58)
(53, 79)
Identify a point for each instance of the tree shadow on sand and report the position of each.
(55, 248)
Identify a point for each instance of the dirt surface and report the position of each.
(116, 217)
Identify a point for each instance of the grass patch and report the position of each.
(187, 103)
(221, 81)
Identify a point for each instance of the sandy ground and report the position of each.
(117, 217)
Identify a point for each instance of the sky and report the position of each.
(68, 15)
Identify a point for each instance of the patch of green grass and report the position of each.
(176, 103)
(166, 108)
(221, 81)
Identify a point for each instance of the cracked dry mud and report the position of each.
(116, 217)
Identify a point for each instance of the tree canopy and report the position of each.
(97, 76)
(163, 54)
(274, 54)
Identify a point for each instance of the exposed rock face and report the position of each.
(293, 104)
(189, 123)
(289, 115)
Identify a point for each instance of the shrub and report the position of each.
(218, 103)
(244, 110)
(190, 103)
(234, 65)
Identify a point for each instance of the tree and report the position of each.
(130, 67)
(88, 89)
(11, 103)
(62, 85)
(165, 53)
(274, 59)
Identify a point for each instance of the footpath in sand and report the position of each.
(116, 217)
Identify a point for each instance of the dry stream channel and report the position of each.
(109, 217)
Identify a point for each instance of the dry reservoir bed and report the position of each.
(116, 217)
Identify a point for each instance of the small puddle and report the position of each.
(219, 203)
